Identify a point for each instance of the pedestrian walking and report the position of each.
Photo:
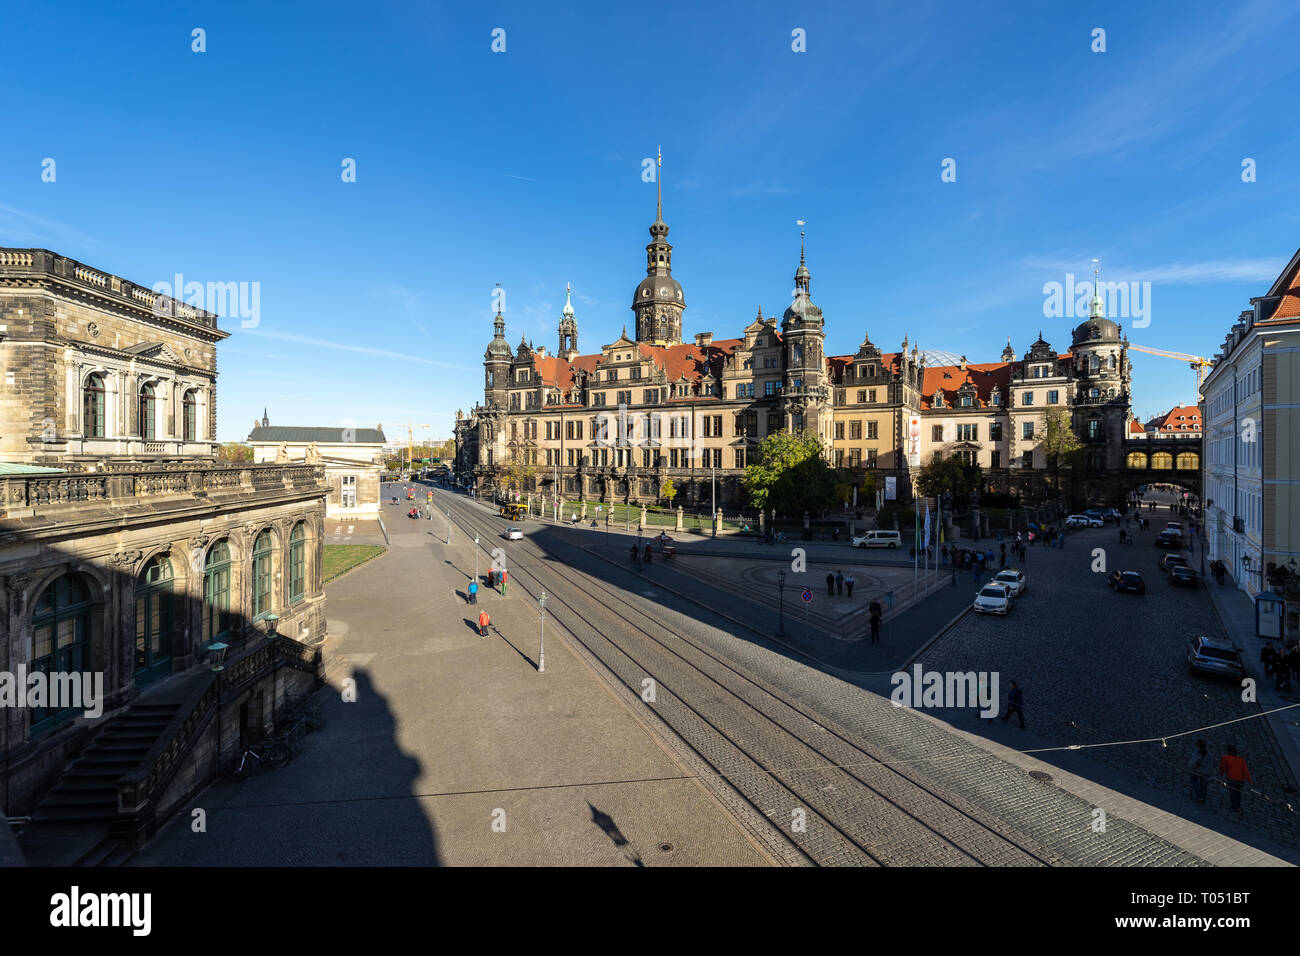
(848, 585)
(473, 592)
(1015, 704)
(1233, 767)
(943, 554)
(1268, 657)
(1199, 765)
(835, 534)
(504, 576)
(839, 582)
(875, 611)
(830, 584)
(483, 622)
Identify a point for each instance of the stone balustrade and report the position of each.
(40, 262)
(124, 483)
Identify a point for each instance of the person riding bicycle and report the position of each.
(635, 553)
(483, 622)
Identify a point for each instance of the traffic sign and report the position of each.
(807, 596)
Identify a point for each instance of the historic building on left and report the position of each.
(132, 557)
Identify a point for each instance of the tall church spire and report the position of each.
(658, 300)
(1096, 310)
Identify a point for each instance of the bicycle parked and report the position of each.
(273, 752)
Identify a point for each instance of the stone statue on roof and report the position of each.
(282, 453)
(313, 454)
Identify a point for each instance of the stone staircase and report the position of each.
(71, 826)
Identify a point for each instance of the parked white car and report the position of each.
(1013, 579)
(993, 599)
(1083, 521)
(877, 539)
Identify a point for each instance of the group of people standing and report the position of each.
(837, 582)
(1281, 665)
(1232, 767)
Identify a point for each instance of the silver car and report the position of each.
(1209, 656)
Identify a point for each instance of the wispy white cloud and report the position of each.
(346, 347)
(1172, 273)
(521, 178)
(19, 227)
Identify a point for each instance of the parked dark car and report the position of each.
(1167, 539)
(1170, 561)
(1183, 576)
(1127, 581)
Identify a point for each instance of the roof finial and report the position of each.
(1096, 310)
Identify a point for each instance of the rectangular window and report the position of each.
(769, 388)
(862, 396)
(1026, 429)
(855, 457)
(871, 395)
(625, 398)
(839, 431)
(936, 433)
(995, 431)
(611, 375)
(1027, 460)
(672, 457)
(839, 457)
(873, 431)
(740, 458)
(1052, 397)
(855, 430)
(349, 496)
(717, 426)
(651, 396)
(871, 458)
(968, 432)
(1027, 398)
(997, 458)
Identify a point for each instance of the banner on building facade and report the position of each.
(914, 441)
(891, 488)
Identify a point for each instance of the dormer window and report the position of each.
(965, 401)
(996, 397)
(938, 399)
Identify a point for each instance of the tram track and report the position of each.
(855, 808)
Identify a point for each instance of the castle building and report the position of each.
(618, 424)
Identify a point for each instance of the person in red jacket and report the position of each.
(1237, 773)
(483, 622)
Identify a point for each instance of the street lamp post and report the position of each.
(449, 526)
(541, 643)
(780, 583)
(475, 557)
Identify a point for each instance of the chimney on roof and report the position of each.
(703, 338)
(962, 364)
(541, 351)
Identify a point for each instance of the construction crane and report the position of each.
(410, 441)
(1197, 363)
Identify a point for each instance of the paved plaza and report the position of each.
(452, 734)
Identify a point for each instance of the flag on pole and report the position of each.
(926, 535)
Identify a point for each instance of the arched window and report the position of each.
(216, 593)
(262, 574)
(1162, 460)
(191, 427)
(61, 623)
(93, 416)
(996, 397)
(297, 562)
(153, 620)
(148, 413)
(1188, 461)
(1136, 459)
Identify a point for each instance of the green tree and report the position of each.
(1060, 444)
(952, 476)
(234, 451)
(791, 475)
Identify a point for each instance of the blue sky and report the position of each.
(524, 168)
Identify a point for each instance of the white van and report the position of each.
(877, 539)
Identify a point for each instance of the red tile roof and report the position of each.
(985, 376)
(1289, 307)
(1181, 418)
(1135, 428)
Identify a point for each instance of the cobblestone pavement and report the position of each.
(955, 767)
(1098, 667)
